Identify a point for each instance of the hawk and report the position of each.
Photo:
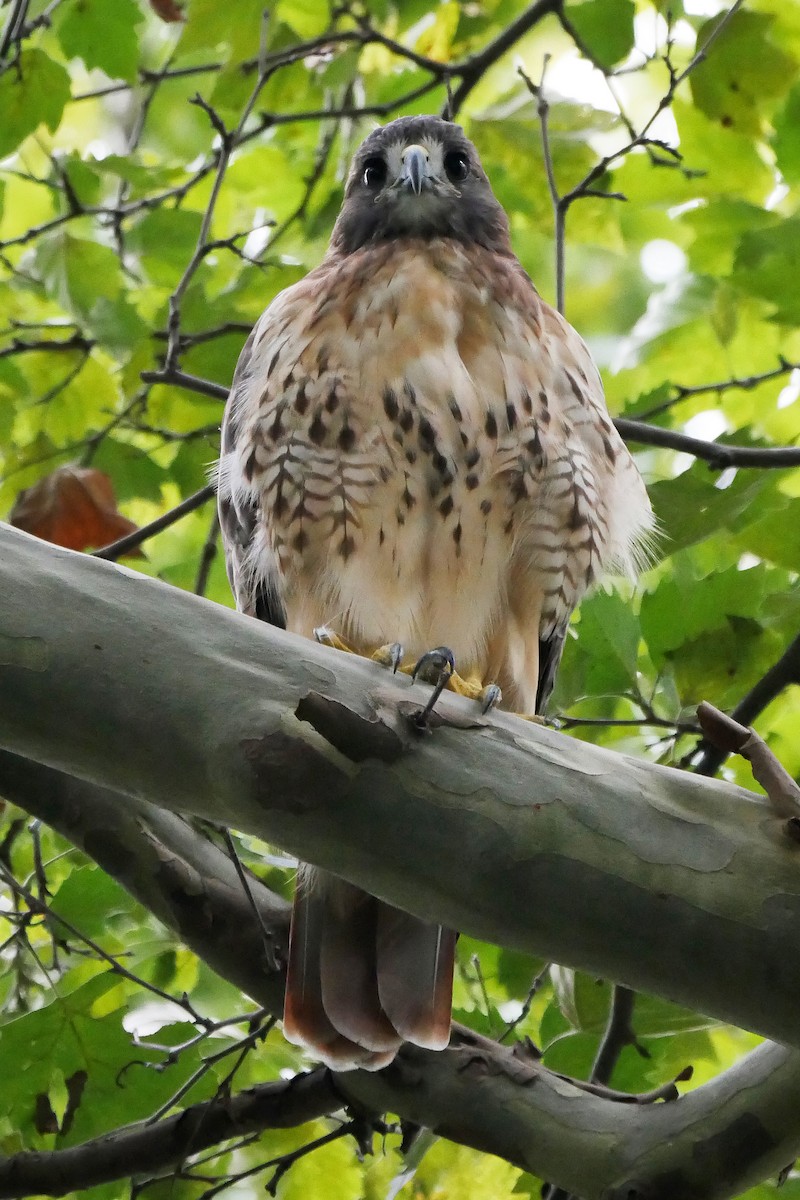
(416, 450)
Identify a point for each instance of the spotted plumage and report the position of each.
(416, 449)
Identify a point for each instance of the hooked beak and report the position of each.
(415, 171)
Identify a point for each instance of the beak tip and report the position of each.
(415, 168)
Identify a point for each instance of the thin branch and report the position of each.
(543, 110)
(783, 793)
(781, 675)
(473, 68)
(717, 454)
(142, 1148)
(36, 906)
(132, 540)
(45, 345)
(207, 556)
(743, 383)
(192, 383)
(618, 1034)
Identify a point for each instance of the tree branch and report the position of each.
(150, 1148)
(473, 69)
(131, 541)
(716, 454)
(476, 1093)
(608, 871)
(782, 674)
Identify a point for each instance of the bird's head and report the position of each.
(418, 177)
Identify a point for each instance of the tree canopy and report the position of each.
(166, 170)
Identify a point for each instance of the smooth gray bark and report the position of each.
(519, 835)
(716, 1140)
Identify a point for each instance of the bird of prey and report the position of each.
(416, 451)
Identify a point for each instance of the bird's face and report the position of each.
(418, 177)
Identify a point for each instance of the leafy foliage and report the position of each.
(162, 181)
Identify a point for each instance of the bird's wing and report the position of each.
(580, 506)
(252, 570)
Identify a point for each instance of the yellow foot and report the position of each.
(437, 667)
(390, 655)
(327, 637)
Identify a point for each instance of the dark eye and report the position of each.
(457, 166)
(374, 175)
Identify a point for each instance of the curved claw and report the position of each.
(434, 664)
(438, 666)
(390, 655)
(490, 697)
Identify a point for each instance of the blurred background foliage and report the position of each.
(167, 169)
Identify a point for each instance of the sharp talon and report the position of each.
(432, 664)
(390, 655)
(442, 662)
(490, 697)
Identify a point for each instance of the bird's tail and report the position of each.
(363, 976)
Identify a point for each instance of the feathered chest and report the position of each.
(417, 374)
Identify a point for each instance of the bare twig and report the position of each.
(207, 556)
(132, 540)
(140, 1148)
(729, 736)
(782, 674)
(40, 909)
(717, 454)
(743, 383)
(474, 68)
(192, 383)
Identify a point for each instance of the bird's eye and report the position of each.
(374, 175)
(456, 165)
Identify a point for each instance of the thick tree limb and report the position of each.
(184, 879)
(571, 852)
(476, 1093)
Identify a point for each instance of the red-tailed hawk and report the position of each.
(416, 449)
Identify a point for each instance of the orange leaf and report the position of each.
(73, 507)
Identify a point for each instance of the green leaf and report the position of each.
(102, 35)
(605, 27)
(306, 17)
(743, 68)
(680, 610)
(768, 264)
(32, 90)
(209, 26)
(87, 899)
(787, 137)
(166, 239)
(74, 270)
